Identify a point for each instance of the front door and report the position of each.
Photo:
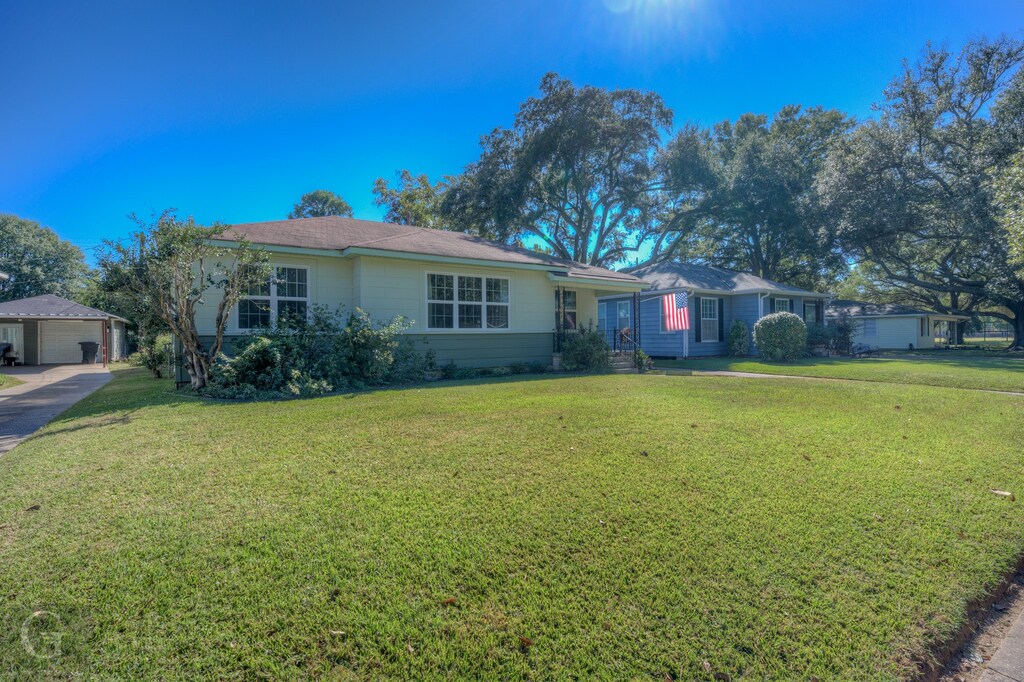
(14, 334)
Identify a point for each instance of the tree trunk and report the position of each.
(1018, 328)
(196, 366)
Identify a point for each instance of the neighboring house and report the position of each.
(717, 297)
(473, 301)
(47, 330)
(888, 325)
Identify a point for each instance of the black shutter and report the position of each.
(819, 312)
(696, 319)
(771, 305)
(721, 319)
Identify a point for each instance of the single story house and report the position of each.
(47, 330)
(717, 297)
(889, 325)
(474, 302)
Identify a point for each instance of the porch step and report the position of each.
(624, 370)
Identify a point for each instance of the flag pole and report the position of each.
(686, 332)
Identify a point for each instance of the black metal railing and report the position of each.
(618, 340)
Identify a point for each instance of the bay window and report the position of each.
(467, 302)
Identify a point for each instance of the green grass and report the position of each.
(611, 527)
(956, 369)
(7, 381)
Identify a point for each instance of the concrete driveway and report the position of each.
(48, 390)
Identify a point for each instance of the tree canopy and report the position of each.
(167, 269)
(911, 192)
(37, 261)
(574, 172)
(742, 195)
(320, 203)
(414, 200)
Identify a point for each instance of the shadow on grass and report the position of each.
(135, 389)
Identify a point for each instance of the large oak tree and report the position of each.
(574, 172)
(912, 191)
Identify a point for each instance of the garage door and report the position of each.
(60, 339)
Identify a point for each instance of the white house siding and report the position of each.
(389, 287)
(892, 332)
(330, 284)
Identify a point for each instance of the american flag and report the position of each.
(676, 308)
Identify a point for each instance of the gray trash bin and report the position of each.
(89, 350)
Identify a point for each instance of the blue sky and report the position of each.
(230, 111)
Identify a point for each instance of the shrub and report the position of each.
(821, 336)
(585, 351)
(844, 331)
(739, 339)
(318, 356)
(642, 361)
(528, 368)
(781, 337)
(152, 353)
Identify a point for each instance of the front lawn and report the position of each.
(7, 381)
(957, 369)
(609, 527)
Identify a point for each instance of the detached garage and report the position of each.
(49, 330)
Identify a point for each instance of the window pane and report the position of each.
(441, 288)
(497, 290)
(623, 315)
(709, 309)
(291, 313)
(569, 300)
(291, 282)
(570, 319)
(471, 289)
(709, 330)
(258, 289)
(497, 317)
(253, 313)
(470, 316)
(440, 316)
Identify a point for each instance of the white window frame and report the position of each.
(874, 329)
(274, 298)
(456, 301)
(602, 315)
(789, 305)
(561, 308)
(714, 308)
(618, 306)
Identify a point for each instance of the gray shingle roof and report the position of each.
(863, 308)
(50, 306)
(336, 233)
(710, 278)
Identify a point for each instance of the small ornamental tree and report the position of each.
(171, 265)
(781, 337)
(739, 339)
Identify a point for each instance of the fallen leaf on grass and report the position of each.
(409, 647)
(34, 507)
(807, 457)
(1004, 493)
(450, 601)
(525, 643)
